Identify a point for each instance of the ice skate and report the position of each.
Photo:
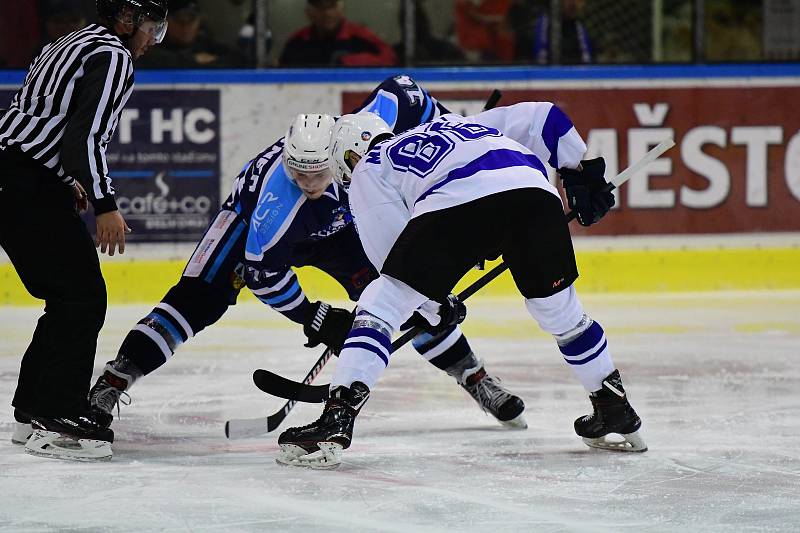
(612, 415)
(493, 398)
(319, 445)
(22, 428)
(76, 438)
(109, 390)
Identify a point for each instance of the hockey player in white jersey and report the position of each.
(432, 202)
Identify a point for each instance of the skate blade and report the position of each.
(518, 422)
(328, 457)
(57, 446)
(628, 442)
(22, 432)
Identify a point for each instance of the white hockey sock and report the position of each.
(581, 341)
(587, 354)
(365, 354)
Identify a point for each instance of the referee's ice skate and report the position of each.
(77, 438)
(319, 445)
(612, 415)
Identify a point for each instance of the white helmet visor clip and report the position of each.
(351, 136)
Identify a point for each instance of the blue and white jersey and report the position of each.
(282, 225)
(402, 104)
(455, 160)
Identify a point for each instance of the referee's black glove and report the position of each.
(586, 192)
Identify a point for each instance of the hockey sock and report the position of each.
(365, 353)
(444, 349)
(581, 340)
(585, 349)
(155, 338)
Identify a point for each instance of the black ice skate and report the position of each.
(319, 445)
(105, 395)
(612, 414)
(79, 438)
(493, 398)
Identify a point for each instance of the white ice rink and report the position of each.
(715, 378)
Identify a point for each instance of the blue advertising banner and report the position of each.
(165, 163)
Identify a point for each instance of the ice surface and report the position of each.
(715, 377)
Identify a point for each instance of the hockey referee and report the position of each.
(52, 164)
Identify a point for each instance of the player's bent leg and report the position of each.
(382, 308)
(188, 308)
(583, 344)
(449, 351)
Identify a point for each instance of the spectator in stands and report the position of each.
(188, 43)
(576, 46)
(19, 34)
(331, 40)
(427, 47)
(484, 33)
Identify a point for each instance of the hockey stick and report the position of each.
(239, 428)
(276, 385)
(264, 380)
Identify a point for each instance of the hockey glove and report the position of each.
(327, 325)
(451, 312)
(585, 190)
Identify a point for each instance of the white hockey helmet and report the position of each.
(352, 134)
(305, 149)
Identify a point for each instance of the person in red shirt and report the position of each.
(483, 29)
(331, 40)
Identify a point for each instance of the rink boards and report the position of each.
(602, 270)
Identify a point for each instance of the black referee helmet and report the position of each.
(155, 10)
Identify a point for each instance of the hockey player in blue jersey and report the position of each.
(433, 201)
(285, 211)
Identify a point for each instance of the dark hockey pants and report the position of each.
(55, 257)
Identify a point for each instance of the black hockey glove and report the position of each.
(451, 312)
(585, 190)
(327, 325)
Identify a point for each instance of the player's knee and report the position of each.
(391, 300)
(425, 341)
(557, 313)
(200, 304)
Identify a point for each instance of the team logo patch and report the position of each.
(365, 135)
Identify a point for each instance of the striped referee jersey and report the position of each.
(68, 108)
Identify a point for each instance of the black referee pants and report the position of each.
(55, 258)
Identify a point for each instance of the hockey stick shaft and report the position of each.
(318, 393)
(252, 427)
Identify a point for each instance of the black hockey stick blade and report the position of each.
(240, 428)
(282, 387)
